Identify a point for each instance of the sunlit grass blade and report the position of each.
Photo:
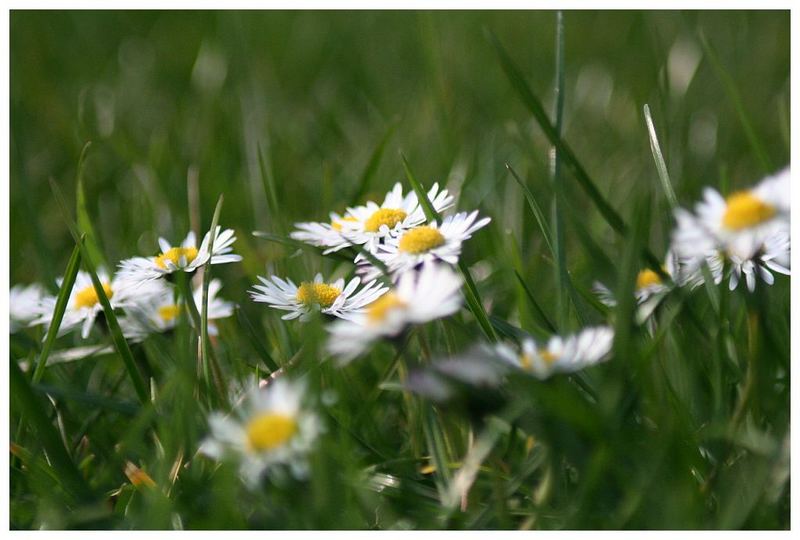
(471, 291)
(70, 274)
(729, 85)
(658, 157)
(82, 214)
(111, 319)
(33, 410)
(372, 165)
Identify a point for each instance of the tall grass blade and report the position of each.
(70, 274)
(471, 291)
(536, 210)
(270, 190)
(540, 314)
(372, 165)
(206, 354)
(296, 244)
(82, 214)
(111, 319)
(658, 157)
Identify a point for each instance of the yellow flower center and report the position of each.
(169, 313)
(525, 361)
(548, 357)
(384, 216)
(380, 308)
(87, 297)
(421, 239)
(174, 255)
(745, 210)
(320, 294)
(337, 225)
(270, 430)
(646, 278)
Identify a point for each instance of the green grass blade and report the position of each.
(658, 157)
(536, 210)
(540, 314)
(535, 107)
(33, 409)
(255, 341)
(372, 165)
(70, 274)
(206, 355)
(270, 190)
(729, 85)
(111, 319)
(470, 290)
(82, 214)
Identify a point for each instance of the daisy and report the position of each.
(327, 235)
(737, 225)
(588, 347)
(83, 305)
(333, 299)
(429, 243)
(160, 312)
(271, 428)
(418, 297)
(774, 255)
(370, 224)
(26, 303)
(187, 257)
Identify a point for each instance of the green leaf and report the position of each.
(206, 353)
(658, 157)
(470, 290)
(536, 210)
(70, 274)
(372, 164)
(537, 309)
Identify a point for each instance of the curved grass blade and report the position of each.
(259, 347)
(33, 409)
(472, 296)
(111, 319)
(70, 274)
(540, 314)
(206, 355)
(536, 210)
(658, 157)
(290, 242)
(269, 185)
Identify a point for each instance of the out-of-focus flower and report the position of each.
(26, 304)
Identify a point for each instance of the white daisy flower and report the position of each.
(270, 428)
(327, 235)
(737, 225)
(429, 243)
(418, 297)
(561, 355)
(83, 305)
(369, 225)
(775, 254)
(26, 304)
(187, 257)
(333, 299)
(160, 312)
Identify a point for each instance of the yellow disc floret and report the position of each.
(647, 278)
(269, 431)
(745, 210)
(169, 313)
(525, 361)
(320, 294)
(421, 239)
(377, 310)
(548, 356)
(174, 255)
(384, 216)
(87, 297)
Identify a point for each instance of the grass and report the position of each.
(577, 140)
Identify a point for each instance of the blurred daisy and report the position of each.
(575, 352)
(26, 304)
(430, 243)
(333, 299)
(327, 235)
(371, 224)
(270, 428)
(419, 297)
(774, 255)
(738, 225)
(160, 312)
(187, 257)
(83, 305)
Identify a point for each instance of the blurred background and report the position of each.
(158, 94)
